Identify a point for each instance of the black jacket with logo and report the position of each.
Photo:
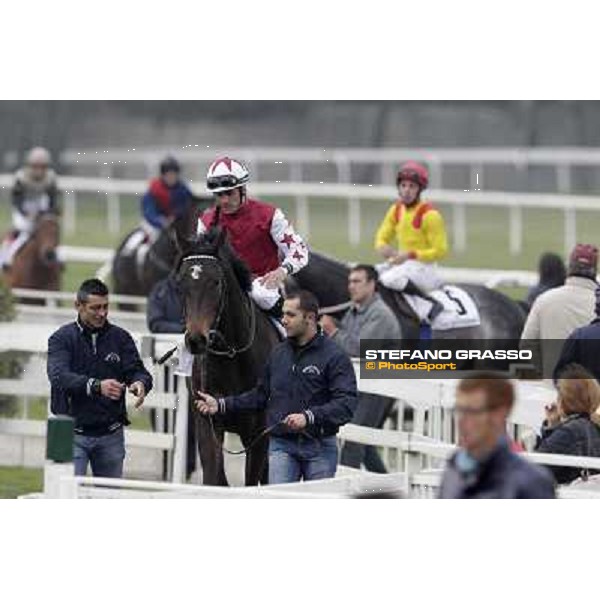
(316, 379)
(76, 356)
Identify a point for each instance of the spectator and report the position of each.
(582, 347)
(484, 466)
(165, 315)
(309, 391)
(91, 363)
(552, 274)
(369, 318)
(165, 307)
(570, 426)
(556, 313)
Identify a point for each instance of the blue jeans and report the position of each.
(301, 458)
(104, 453)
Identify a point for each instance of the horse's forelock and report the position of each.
(212, 243)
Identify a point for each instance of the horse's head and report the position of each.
(185, 226)
(208, 274)
(47, 235)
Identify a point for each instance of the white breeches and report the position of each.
(22, 223)
(423, 275)
(263, 296)
(150, 231)
(25, 227)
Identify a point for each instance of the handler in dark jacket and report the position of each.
(570, 426)
(309, 391)
(90, 364)
(484, 466)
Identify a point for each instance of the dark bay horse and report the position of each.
(501, 318)
(36, 264)
(230, 339)
(132, 279)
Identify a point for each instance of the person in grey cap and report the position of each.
(557, 312)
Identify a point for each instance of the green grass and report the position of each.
(487, 232)
(16, 481)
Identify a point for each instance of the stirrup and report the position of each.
(435, 311)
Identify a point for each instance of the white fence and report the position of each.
(305, 193)
(414, 481)
(561, 158)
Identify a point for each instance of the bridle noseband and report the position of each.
(215, 336)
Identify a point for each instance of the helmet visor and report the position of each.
(223, 181)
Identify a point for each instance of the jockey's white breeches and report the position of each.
(23, 223)
(423, 275)
(151, 231)
(265, 297)
(24, 226)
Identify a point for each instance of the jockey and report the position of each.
(166, 199)
(258, 232)
(412, 237)
(34, 192)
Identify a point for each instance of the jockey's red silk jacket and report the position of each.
(261, 236)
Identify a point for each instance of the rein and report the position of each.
(203, 378)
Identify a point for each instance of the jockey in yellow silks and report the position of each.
(412, 238)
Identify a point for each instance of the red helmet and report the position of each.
(415, 172)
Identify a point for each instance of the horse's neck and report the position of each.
(236, 315)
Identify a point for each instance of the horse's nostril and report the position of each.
(195, 343)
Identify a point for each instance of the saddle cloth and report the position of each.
(459, 308)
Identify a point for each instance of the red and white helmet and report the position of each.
(413, 171)
(226, 174)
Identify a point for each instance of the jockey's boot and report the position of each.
(275, 314)
(276, 311)
(436, 308)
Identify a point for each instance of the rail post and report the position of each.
(59, 458)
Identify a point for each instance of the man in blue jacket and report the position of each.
(309, 391)
(91, 363)
(484, 466)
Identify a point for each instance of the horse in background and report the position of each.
(137, 267)
(36, 264)
(230, 339)
(502, 319)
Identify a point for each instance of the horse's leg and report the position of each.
(211, 453)
(257, 466)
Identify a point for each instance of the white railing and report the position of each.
(306, 193)
(414, 481)
(386, 160)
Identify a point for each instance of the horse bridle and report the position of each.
(214, 335)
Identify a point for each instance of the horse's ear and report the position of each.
(183, 243)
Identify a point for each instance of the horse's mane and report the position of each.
(213, 244)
